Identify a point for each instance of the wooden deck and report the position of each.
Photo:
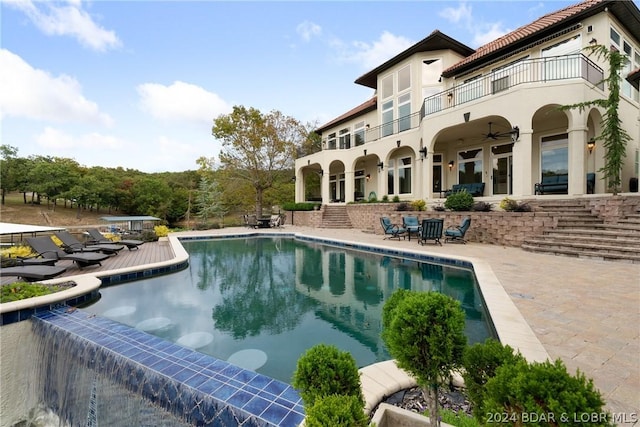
(150, 252)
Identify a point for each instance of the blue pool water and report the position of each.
(261, 302)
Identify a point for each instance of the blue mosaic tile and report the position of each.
(240, 398)
(275, 413)
(210, 386)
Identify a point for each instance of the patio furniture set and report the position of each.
(429, 229)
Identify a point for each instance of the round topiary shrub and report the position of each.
(324, 370)
(459, 201)
(337, 411)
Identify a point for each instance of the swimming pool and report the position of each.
(260, 302)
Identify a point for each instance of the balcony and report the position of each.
(400, 125)
(526, 71)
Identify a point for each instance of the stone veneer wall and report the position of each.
(496, 227)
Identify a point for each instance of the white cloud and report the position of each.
(52, 139)
(461, 14)
(308, 29)
(68, 19)
(35, 94)
(181, 101)
(489, 33)
(370, 55)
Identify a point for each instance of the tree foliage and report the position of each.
(256, 146)
(613, 136)
(424, 332)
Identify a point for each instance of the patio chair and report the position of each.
(71, 244)
(32, 273)
(431, 229)
(45, 247)
(411, 224)
(456, 233)
(96, 237)
(252, 221)
(276, 220)
(392, 231)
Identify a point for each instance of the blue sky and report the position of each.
(137, 84)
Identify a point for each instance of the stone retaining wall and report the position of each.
(496, 227)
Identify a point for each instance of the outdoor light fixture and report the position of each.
(380, 166)
(365, 152)
(591, 143)
(423, 152)
(451, 163)
(593, 41)
(398, 142)
(368, 177)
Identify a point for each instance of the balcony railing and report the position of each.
(526, 71)
(400, 125)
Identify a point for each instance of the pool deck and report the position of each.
(585, 312)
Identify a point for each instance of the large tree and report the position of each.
(613, 136)
(256, 146)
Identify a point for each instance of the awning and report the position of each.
(12, 230)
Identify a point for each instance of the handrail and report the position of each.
(525, 71)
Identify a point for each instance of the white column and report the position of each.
(522, 168)
(577, 161)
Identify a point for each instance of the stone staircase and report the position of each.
(580, 233)
(335, 216)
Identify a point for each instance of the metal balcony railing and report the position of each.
(400, 125)
(525, 71)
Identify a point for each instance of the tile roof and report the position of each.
(369, 105)
(508, 40)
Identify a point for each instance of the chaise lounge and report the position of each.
(96, 237)
(71, 244)
(32, 273)
(45, 247)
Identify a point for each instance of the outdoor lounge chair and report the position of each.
(392, 231)
(31, 273)
(71, 244)
(96, 237)
(411, 224)
(45, 247)
(431, 229)
(276, 220)
(456, 233)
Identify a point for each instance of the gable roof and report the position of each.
(434, 41)
(624, 10)
(369, 105)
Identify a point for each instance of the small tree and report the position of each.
(459, 201)
(614, 138)
(424, 332)
(324, 370)
(337, 411)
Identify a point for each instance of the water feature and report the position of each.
(259, 303)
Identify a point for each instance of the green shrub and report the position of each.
(523, 391)
(385, 199)
(419, 205)
(459, 419)
(324, 370)
(508, 204)
(459, 201)
(303, 206)
(396, 199)
(22, 290)
(480, 362)
(337, 411)
(425, 334)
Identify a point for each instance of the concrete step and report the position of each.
(591, 245)
(633, 258)
(595, 239)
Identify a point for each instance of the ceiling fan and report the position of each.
(513, 133)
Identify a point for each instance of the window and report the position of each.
(359, 183)
(387, 87)
(358, 133)
(387, 118)
(625, 47)
(615, 37)
(404, 175)
(559, 66)
(390, 176)
(554, 155)
(437, 173)
(404, 112)
(345, 139)
(404, 79)
(332, 141)
(470, 166)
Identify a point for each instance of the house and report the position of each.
(443, 114)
